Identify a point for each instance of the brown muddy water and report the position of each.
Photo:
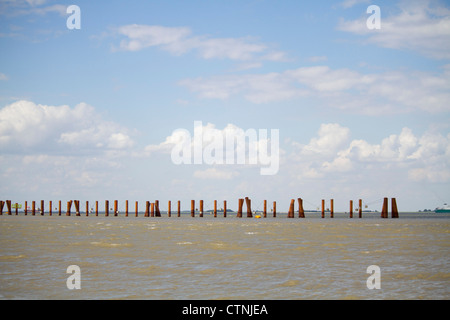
(225, 258)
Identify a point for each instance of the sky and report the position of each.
(94, 113)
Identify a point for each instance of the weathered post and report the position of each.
(301, 211)
(17, 208)
(69, 205)
(116, 208)
(33, 207)
(126, 208)
(152, 209)
(249, 207)
(106, 208)
(50, 208)
(215, 208)
(136, 209)
(265, 209)
(360, 209)
(87, 208)
(332, 208)
(25, 209)
(291, 209)
(323, 208)
(59, 207)
(351, 208)
(96, 208)
(179, 208)
(192, 208)
(169, 208)
(394, 213)
(240, 204)
(1, 207)
(201, 209)
(157, 212)
(224, 208)
(42, 207)
(384, 210)
(274, 209)
(8, 206)
(77, 207)
(147, 209)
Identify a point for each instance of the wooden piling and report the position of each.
(215, 208)
(8, 207)
(87, 208)
(152, 209)
(274, 209)
(147, 209)
(96, 208)
(301, 211)
(360, 209)
(42, 207)
(384, 210)
(248, 202)
(77, 207)
(291, 209)
(394, 213)
(323, 208)
(169, 209)
(33, 207)
(136, 209)
(106, 208)
(265, 209)
(192, 208)
(351, 209)
(1, 207)
(17, 208)
(25, 209)
(201, 209)
(69, 205)
(157, 212)
(50, 208)
(126, 208)
(240, 204)
(59, 207)
(116, 208)
(224, 208)
(331, 208)
(179, 209)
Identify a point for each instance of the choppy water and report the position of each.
(224, 258)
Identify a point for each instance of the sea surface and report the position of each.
(225, 258)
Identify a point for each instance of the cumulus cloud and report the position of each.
(28, 127)
(421, 158)
(180, 40)
(377, 93)
(421, 26)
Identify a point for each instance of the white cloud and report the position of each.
(378, 93)
(421, 26)
(29, 127)
(179, 40)
(3, 77)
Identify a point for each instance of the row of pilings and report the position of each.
(152, 208)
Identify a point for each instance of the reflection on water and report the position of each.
(224, 258)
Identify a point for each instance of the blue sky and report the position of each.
(90, 113)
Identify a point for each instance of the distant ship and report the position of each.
(444, 209)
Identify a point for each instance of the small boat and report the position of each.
(444, 209)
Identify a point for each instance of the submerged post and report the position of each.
(224, 208)
(351, 208)
(301, 211)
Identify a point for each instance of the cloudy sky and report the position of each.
(94, 113)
